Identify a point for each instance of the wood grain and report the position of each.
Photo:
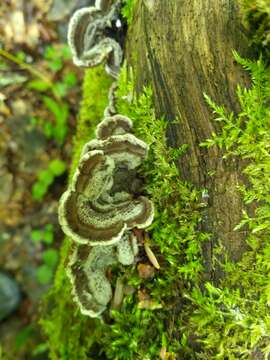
(183, 49)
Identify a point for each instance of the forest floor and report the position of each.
(39, 101)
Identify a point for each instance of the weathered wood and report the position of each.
(183, 49)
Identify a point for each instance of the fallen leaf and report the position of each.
(146, 271)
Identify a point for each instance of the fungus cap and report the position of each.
(89, 39)
(87, 269)
(125, 148)
(99, 205)
(113, 125)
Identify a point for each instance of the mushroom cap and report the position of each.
(89, 40)
(87, 269)
(94, 210)
(77, 215)
(77, 28)
(126, 149)
(87, 272)
(113, 125)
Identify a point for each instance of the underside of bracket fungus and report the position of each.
(102, 201)
(90, 37)
(87, 272)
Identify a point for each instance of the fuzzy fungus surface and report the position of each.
(87, 272)
(102, 201)
(101, 205)
(91, 37)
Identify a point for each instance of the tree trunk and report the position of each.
(183, 49)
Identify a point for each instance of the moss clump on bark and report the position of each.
(199, 319)
(256, 17)
(128, 10)
(233, 320)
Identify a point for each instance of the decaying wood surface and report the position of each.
(183, 49)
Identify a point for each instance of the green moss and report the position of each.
(128, 10)
(256, 15)
(141, 333)
(233, 321)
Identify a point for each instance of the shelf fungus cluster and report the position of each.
(94, 36)
(101, 207)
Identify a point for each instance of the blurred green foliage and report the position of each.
(46, 271)
(46, 177)
(44, 235)
(58, 129)
(56, 92)
(23, 336)
(50, 255)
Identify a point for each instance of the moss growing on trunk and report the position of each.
(187, 317)
(135, 332)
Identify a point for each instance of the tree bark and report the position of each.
(183, 49)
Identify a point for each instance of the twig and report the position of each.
(25, 66)
(151, 256)
(30, 69)
(118, 294)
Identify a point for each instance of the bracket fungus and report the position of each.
(110, 110)
(90, 286)
(103, 4)
(102, 201)
(87, 272)
(113, 125)
(92, 37)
